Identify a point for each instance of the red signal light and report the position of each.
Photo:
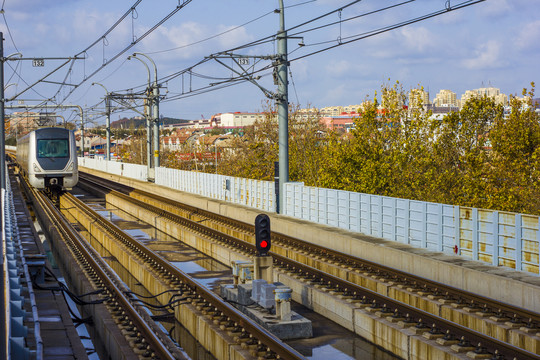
(262, 234)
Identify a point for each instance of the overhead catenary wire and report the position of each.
(341, 42)
(230, 81)
(132, 44)
(341, 21)
(97, 41)
(268, 39)
(271, 38)
(354, 38)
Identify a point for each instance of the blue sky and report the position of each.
(495, 42)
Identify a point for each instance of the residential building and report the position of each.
(331, 111)
(446, 98)
(178, 139)
(417, 97)
(338, 122)
(238, 119)
(495, 93)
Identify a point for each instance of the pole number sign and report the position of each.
(38, 62)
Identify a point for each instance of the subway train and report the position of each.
(48, 158)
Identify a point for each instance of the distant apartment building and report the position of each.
(495, 93)
(352, 109)
(192, 124)
(237, 119)
(331, 110)
(338, 122)
(23, 122)
(417, 97)
(308, 113)
(446, 98)
(339, 110)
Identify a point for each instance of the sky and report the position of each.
(492, 43)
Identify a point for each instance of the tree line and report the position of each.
(479, 156)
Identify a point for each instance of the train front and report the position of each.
(55, 160)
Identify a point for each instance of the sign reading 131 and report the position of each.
(38, 62)
(243, 61)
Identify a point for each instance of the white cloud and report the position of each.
(487, 55)
(181, 37)
(233, 38)
(300, 69)
(195, 39)
(417, 38)
(529, 35)
(339, 68)
(35, 5)
(496, 7)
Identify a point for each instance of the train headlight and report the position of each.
(36, 168)
(70, 168)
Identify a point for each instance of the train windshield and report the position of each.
(53, 148)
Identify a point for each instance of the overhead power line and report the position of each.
(133, 43)
(354, 38)
(264, 71)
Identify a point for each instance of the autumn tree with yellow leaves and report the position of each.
(478, 156)
(253, 155)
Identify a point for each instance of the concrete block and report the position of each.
(229, 292)
(244, 294)
(266, 299)
(256, 292)
(297, 327)
(301, 290)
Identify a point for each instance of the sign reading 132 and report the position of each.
(38, 62)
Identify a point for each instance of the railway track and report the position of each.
(356, 280)
(143, 334)
(162, 277)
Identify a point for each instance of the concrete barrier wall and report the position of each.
(253, 193)
(494, 237)
(139, 172)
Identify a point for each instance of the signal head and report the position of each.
(262, 234)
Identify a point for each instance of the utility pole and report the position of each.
(282, 99)
(281, 64)
(155, 114)
(108, 129)
(4, 336)
(108, 117)
(147, 115)
(154, 99)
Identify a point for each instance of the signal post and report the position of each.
(262, 263)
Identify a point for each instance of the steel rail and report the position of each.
(72, 238)
(266, 338)
(396, 309)
(386, 304)
(484, 303)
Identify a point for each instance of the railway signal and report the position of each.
(262, 234)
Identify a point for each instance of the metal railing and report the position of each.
(16, 277)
